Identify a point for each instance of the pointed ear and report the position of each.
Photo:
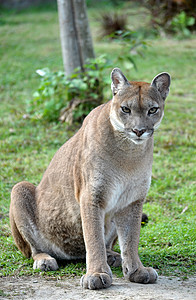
(119, 81)
(162, 82)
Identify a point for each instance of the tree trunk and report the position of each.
(75, 34)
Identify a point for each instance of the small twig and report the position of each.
(183, 211)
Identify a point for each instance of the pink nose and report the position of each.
(139, 132)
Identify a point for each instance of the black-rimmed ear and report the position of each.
(119, 81)
(162, 83)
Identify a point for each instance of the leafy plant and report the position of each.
(164, 13)
(181, 23)
(130, 46)
(69, 98)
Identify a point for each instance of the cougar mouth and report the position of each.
(139, 140)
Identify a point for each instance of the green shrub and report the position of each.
(172, 15)
(131, 44)
(181, 24)
(69, 99)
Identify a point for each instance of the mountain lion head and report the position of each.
(138, 107)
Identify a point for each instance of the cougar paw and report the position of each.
(143, 275)
(96, 281)
(113, 259)
(46, 264)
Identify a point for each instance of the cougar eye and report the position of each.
(153, 110)
(125, 109)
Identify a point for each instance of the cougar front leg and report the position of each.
(128, 223)
(98, 274)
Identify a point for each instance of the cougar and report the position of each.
(94, 188)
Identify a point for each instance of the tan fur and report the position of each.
(94, 189)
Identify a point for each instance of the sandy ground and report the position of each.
(69, 289)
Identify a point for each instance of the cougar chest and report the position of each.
(127, 188)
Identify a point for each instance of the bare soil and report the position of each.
(69, 289)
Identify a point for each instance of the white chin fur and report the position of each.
(138, 142)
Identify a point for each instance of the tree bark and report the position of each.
(75, 34)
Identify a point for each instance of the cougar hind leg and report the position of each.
(22, 245)
(23, 226)
(22, 199)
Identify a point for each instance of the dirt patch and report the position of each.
(69, 289)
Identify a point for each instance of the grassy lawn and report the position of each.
(29, 41)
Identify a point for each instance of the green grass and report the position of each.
(30, 40)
